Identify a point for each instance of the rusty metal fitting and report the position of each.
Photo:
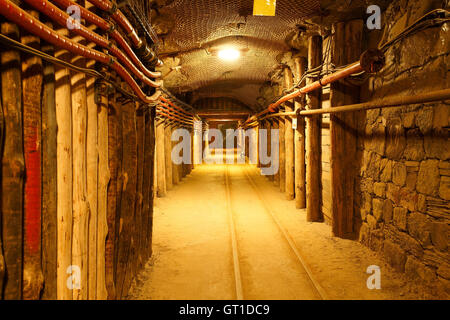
(372, 60)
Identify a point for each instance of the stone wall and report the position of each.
(403, 188)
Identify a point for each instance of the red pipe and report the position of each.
(34, 26)
(371, 61)
(354, 68)
(168, 116)
(61, 18)
(118, 16)
(107, 27)
(179, 114)
(176, 107)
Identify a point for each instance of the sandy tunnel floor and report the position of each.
(193, 256)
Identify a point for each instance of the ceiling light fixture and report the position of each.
(229, 54)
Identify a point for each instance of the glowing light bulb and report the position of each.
(229, 54)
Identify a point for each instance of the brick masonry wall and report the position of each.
(403, 188)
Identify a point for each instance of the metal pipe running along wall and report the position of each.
(34, 26)
(389, 102)
(111, 29)
(61, 18)
(371, 61)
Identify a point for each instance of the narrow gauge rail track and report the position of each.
(239, 275)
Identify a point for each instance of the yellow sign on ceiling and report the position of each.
(264, 7)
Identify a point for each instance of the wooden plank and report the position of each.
(346, 48)
(49, 178)
(32, 79)
(64, 172)
(282, 150)
(176, 169)
(299, 143)
(147, 192)
(92, 183)
(103, 181)
(276, 177)
(12, 167)
(2, 259)
(168, 157)
(113, 193)
(161, 162)
(80, 210)
(121, 180)
(313, 212)
(92, 172)
(140, 127)
(152, 166)
(127, 239)
(289, 141)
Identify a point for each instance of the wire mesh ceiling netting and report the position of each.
(202, 24)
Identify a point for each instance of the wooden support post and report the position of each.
(313, 212)
(269, 145)
(182, 168)
(2, 259)
(92, 182)
(276, 177)
(139, 227)
(282, 151)
(126, 234)
(49, 178)
(113, 193)
(161, 160)
(103, 182)
(176, 177)
(32, 88)
(289, 141)
(192, 149)
(168, 156)
(258, 146)
(12, 166)
(299, 142)
(347, 47)
(151, 135)
(63, 100)
(147, 190)
(92, 175)
(80, 240)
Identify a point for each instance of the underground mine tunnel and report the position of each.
(224, 150)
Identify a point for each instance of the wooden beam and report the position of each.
(49, 178)
(64, 150)
(289, 141)
(160, 160)
(313, 148)
(80, 210)
(92, 183)
(13, 167)
(299, 143)
(102, 193)
(282, 151)
(113, 192)
(126, 232)
(168, 157)
(32, 80)
(276, 177)
(139, 227)
(347, 47)
(92, 174)
(147, 188)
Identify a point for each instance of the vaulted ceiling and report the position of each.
(192, 31)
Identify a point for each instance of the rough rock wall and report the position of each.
(404, 182)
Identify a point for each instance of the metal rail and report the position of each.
(315, 284)
(236, 267)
